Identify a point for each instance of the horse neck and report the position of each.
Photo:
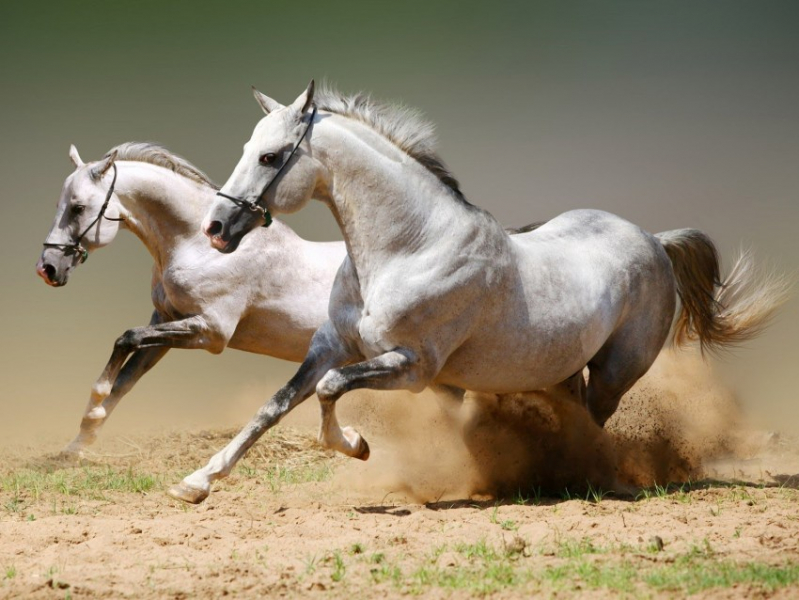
(160, 207)
(385, 202)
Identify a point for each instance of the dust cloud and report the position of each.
(673, 426)
(674, 421)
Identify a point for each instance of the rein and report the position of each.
(76, 247)
(255, 206)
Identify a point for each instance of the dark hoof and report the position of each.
(181, 491)
(363, 450)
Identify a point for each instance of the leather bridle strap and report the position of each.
(255, 206)
(77, 247)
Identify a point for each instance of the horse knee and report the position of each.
(215, 344)
(127, 342)
(331, 386)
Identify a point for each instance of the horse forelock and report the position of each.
(403, 126)
(155, 154)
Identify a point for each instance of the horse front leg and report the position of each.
(326, 352)
(157, 338)
(189, 333)
(139, 363)
(398, 369)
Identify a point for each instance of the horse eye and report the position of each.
(268, 158)
(78, 209)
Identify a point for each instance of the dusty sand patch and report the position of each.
(253, 538)
(674, 421)
(421, 516)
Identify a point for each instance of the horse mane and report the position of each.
(405, 127)
(525, 228)
(155, 154)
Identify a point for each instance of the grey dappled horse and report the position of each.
(434, 291)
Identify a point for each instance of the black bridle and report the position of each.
(254, 206)
(76, 247)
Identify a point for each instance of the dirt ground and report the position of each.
(499, 497)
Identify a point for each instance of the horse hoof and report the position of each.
(363, 451)
(356, 446)
(72, 452)
(191, 495)
(70, 456)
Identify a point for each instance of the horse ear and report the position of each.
(267, 104)
(75, 157)
(102, 167)
(304, 101)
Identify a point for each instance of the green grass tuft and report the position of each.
(27, 486)
(686, 576)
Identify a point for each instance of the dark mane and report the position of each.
(525, 228)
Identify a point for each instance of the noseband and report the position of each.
(77, 247)
(255, 206)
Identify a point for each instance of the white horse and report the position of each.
(268, 298)
(434, 291)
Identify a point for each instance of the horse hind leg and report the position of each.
(606, 386)
(635, 344)
(573, 389)
(622, 361)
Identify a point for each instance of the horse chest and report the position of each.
(186, 290)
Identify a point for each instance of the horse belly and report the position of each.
(520, 363)
(538, 341)
(260, 334)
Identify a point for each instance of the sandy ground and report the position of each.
(450, 505)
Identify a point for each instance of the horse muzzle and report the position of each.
(50, 274)
(222, 237)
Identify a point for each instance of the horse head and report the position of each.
(275, 173)
(87, 217)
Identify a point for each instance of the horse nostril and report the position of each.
(49, 271)
(213, 228)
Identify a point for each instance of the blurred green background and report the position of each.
(671, 114)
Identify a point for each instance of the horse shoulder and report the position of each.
(444, 299)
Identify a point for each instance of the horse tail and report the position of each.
(719, 313)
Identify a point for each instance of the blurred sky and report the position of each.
(670, 114)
